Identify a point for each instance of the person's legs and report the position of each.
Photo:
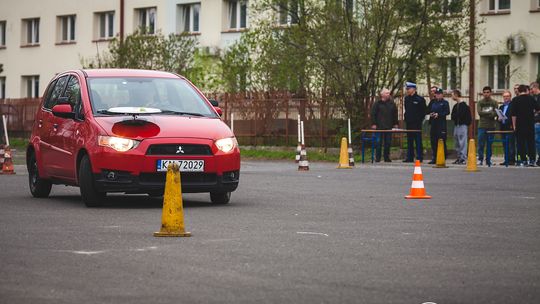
(433, 140)
(419, 148)
(410, 148)
(531, 148)
(488, 149)
(462, 139)
(378, 147)
(387, 144)
(537, 139)
(511, 149)
(481, 143)
(521, 148)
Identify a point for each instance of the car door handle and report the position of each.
(55, 127)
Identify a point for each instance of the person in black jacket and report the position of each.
(505, 123)
(415, 112)
(461, 115)
(384, 116)
(523, 108)
(438, 109)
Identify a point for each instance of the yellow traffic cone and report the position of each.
(172, 219)
(344, 155)
(441, 160)
(471, 157)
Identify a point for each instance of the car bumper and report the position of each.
(136, 172)
(191, 182)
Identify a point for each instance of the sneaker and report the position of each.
(461, 162)
(480, 163)
(520, 164)
(378, 160)
(457, 161)
(538, 162)
(432, 162)
(387, 160)
(531, 164)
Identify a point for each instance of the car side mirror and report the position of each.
(215, 105)
(63, 110)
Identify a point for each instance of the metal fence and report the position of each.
(20, 114)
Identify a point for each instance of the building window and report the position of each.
(497, 5)
(31, 86)
(2, 33)
(237, 14)
(30, 31)
(189, 17)
(450, 73)
(2, 87)
(288, 12)
(105, 24)
(499, 72)
(147, 20)
(66, 27)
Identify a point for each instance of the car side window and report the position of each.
(56, 92)
(48, 94)
(73, 95)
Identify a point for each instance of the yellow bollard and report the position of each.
(441, 160)
(471, 157)
(172, 219)
(344, 155)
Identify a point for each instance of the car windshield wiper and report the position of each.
(181, 113)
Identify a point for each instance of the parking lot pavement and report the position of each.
(325, 235)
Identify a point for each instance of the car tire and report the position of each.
(38, 187)
(220, 198)
(90, 196)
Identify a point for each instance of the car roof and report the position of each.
(128, 73)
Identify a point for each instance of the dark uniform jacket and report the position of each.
(415, 111)
(442, 108)
(506, 125)
(523, 107)
(461, 114)
(384, 114)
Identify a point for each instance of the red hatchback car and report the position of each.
(117, 130)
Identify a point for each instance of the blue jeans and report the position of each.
(537, 138)
(387, 137)
(482, 140)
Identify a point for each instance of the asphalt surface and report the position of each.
(322, 236)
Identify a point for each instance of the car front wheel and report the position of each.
(220, 198)
(38, 187)
(90, 196)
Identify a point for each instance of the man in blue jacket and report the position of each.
(437, 109)
(415, 112)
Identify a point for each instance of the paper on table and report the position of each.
(501, 115)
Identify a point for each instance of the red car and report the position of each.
(117, 130)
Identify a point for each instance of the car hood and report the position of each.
(161, 126)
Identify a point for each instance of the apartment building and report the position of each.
(41, 38)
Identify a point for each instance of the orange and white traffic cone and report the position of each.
(303, 164)
(2, 151)
(417, 187)
(7, 166)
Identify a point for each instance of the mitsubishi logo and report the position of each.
(179, 150)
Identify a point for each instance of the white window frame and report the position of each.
(494, 83)
(187, 11)
(287, 19)
(147, 18)
(67, 28)
(2, 87)
(496, 5)
(105, 25)
(3, 24)
(235, 14)
(31, 86)
(31, 31)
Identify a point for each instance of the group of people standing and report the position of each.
(520, 115)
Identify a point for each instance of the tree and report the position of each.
(172, 53)
(346, 51)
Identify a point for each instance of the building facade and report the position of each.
(41, 38)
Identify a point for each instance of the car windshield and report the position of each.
(170, 96)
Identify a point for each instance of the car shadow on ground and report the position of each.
(116, 201)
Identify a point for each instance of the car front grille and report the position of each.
(179, 149)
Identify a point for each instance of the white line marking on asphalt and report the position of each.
(111, 226)
(145, 249)
(311, 233)
(87, 252)
(527, 197)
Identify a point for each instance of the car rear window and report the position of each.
(166, 94)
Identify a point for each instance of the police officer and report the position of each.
(415, 111)
(437, 109)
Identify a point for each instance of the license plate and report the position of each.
(184, 165)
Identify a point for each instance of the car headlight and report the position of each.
(117, 143)
(226, 145)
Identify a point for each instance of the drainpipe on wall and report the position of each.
(472, 45)
(121, 21)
